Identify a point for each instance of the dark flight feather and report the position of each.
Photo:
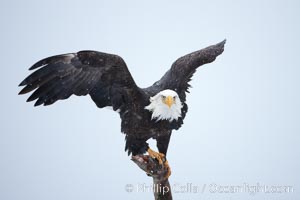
(58, 77)
(178, 77)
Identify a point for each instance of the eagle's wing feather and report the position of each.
(103, 76)
(182, 70)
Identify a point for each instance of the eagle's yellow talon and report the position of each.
(169, 169)
(161, 160)
(159, 156)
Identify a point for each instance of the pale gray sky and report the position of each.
(243, 120)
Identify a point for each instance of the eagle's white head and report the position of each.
(165, 105)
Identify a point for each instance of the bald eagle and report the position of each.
(145, 113)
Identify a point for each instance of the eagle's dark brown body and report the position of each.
(137, 121)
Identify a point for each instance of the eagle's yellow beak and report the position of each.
(169, 101)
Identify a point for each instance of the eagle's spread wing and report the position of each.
(105, 77)
(182, 70)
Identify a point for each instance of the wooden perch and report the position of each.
(161, 185)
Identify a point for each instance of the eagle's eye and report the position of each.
(163, 97)
(174, 98)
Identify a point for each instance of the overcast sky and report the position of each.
(242, 127)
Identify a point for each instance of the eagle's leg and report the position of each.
(161, 158)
